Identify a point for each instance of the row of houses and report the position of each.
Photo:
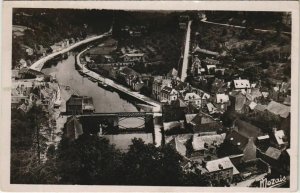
(230, 150)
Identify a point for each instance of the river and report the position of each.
(104, 101)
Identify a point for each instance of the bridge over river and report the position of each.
(38, 66)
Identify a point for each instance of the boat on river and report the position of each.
(92, 79)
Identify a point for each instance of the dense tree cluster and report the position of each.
(48, 26)
(27, 145)
(91, 159)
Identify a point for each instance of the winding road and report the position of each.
(241, 27)
(186, 53)
(38, 65)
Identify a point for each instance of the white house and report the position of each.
(242, 85)
(192, 98)
(168, 94)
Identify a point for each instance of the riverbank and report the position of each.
(156, 106)
(38, 65)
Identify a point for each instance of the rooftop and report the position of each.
(241, 83)
(222, 98)
(273, 153)
(218, 164)
(191, 96)
(278, 109)
(200, 141)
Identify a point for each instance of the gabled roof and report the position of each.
(237, 139)
(181, 103)
(73, 128)
(201, 118)
(191, 96)
(222, 98)
(75, 100)
(247, 129)
(278, 109)
(173, 72)
(273, 153)
(211, 108)
(205, 96)
(189, 117)
(218, 164)
(203, 123)
(199, 141)
(241, 83)
(279, 135)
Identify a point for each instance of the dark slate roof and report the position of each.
(172, 113)
(237, 139)
(75, 100)
(248, 129)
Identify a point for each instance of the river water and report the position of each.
(104, 101)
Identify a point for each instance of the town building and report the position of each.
(73, 128)
(221, 170)
(242, 85)
(138, 57)
(279, 160)
(193, 98)
(158, 84)
(237, 143)
(205, 146)
(204, 124)
(168, 94)
(278, 109)
(79, 105)
(222, 102)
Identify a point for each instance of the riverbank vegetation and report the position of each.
(91, 160)
(45, 27)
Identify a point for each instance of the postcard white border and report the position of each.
(290, 6)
